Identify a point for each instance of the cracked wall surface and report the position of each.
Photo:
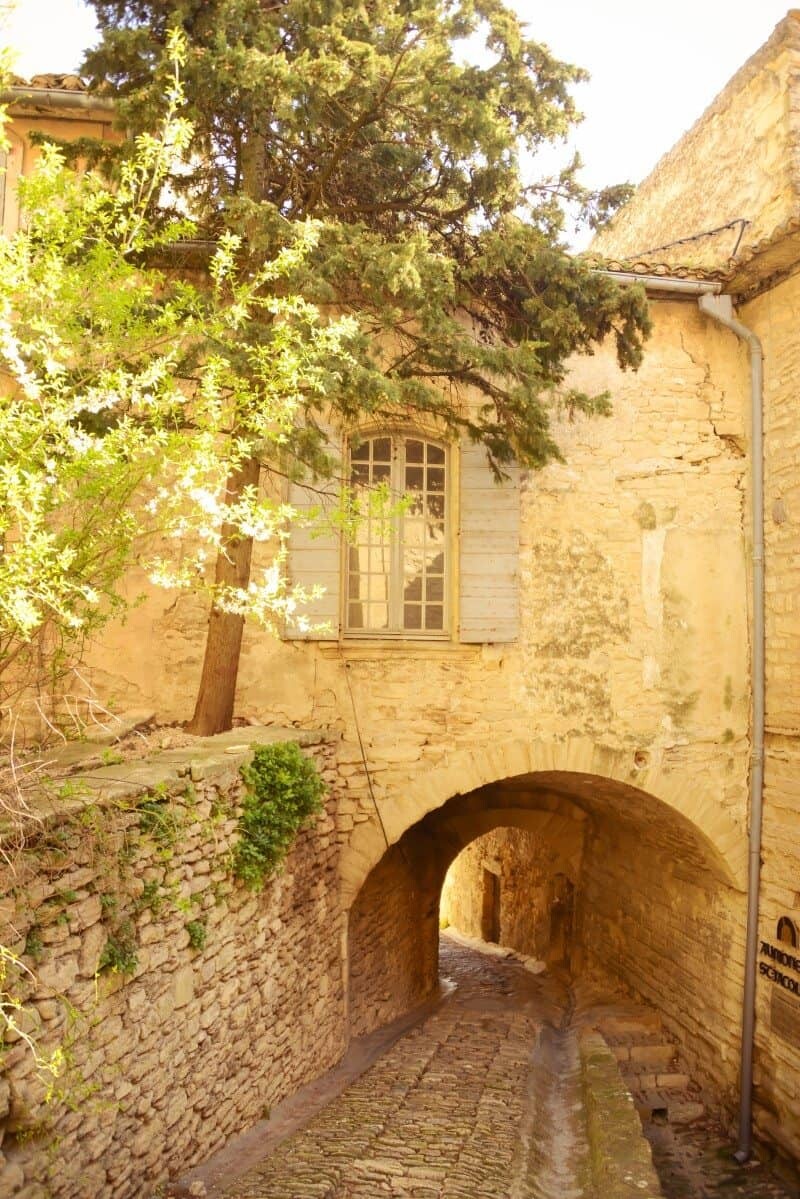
(632, 596)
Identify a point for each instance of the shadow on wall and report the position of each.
(574, 869)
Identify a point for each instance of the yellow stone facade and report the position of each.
(618, 721)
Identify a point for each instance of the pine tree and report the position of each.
(403, 128)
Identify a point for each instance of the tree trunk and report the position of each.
(213, 711)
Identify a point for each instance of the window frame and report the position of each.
(448, 633)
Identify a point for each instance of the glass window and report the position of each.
(397, 567)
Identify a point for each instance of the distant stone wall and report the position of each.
(739, 160)
(198, 1042)
(620, 897)
(530, 872)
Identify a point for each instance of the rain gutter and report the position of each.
(49, 98)
(719, 308)
(664, 283)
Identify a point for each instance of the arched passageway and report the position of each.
(633, 894)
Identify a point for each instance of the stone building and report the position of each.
(554, 672)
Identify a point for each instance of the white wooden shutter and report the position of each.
(489, 550)
(315, 560)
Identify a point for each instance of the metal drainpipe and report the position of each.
(719, 308)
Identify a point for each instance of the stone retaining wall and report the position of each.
(164, 1063)
(620, 1160)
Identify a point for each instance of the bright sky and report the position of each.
(654, 66)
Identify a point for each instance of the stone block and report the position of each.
(183, 986)
(658, 1056)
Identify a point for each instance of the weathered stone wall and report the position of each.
(671, 935)
(633, 606)
(633, 639)
(167, 1062)
(775, 317)
(393, 943)
(531, 874)
(740, 160)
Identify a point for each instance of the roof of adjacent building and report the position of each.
(728, 191)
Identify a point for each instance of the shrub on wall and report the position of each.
(284, 792)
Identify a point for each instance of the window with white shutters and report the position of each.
(445, 567)
(397, 564)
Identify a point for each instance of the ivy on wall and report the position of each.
(284, 793)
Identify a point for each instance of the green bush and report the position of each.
(197, 934)
(284, 792)
(159, 821)
(119, 953)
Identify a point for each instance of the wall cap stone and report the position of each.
(208, 759)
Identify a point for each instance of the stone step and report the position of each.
(648, 1080)
(674, 1068)
(624, 1053)
(658, 1057)
(660, 1104)
(645, 1036)
(624, 1026)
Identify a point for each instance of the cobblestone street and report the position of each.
(418, 1124)
(481, 1100)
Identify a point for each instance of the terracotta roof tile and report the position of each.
(61, 83)
(645, 266)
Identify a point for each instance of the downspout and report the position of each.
(719, 309)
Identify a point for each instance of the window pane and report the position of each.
(415, 478)
(382, 449)
(360, 453)
(412, 616)
(415, 451)
(377, 616)
(435, 453)
(378, 559)
(413, 531)
(435, 505)
(355, 617)
(434, 587)
(435, 478)
(434, 616)
(413, 589)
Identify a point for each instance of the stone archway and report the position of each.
(688, 796)
(659, 888)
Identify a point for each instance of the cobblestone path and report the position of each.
(482, 1100)
(439, 1116)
